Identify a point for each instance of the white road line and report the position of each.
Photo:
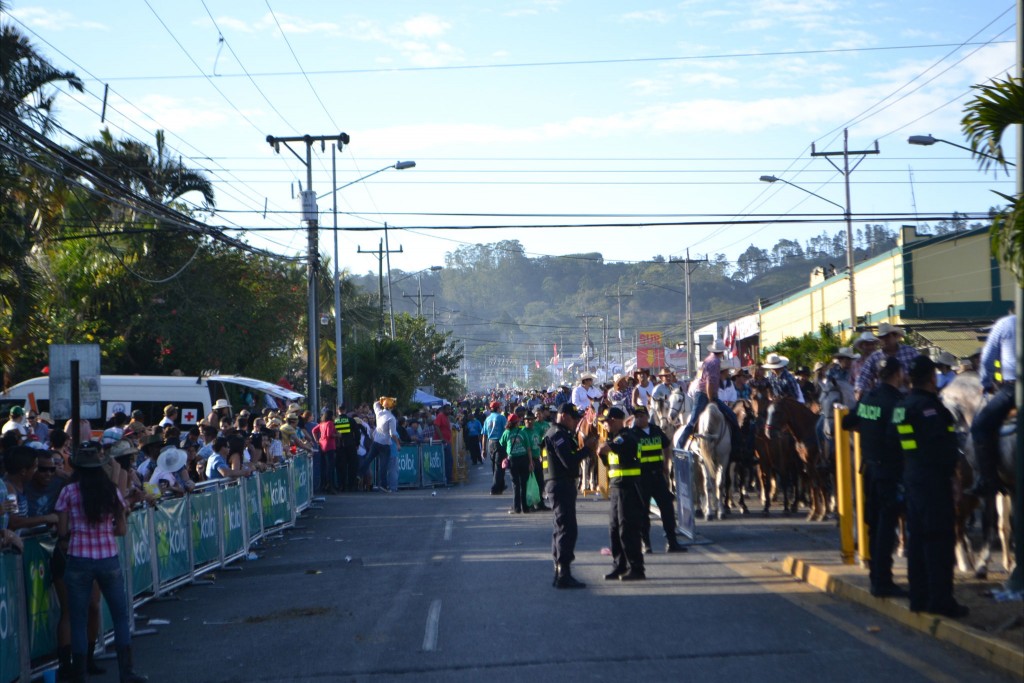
(433, 617)
(448, 529)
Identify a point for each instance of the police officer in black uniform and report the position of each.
(347, 462)
(924, 430)
(561, 458)
(620, 454)
(655, 447)
(882, 471)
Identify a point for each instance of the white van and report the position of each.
(194, 396)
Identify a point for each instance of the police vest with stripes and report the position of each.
(908, 440)
(343, 425)
(650, 449)
(616, 471)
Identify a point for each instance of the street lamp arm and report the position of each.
(929, 140)
(398, 166)
(773, 179)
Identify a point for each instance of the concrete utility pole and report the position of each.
(619, 296)
(846, 171)
(586, 339)
(688, 265)
(380, 253)
(310, 215)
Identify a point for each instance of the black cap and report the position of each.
(889, 367)
(569, 409)
(640, 410)
(921, 368)
(613, 413)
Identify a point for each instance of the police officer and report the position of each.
(620, 454)
(561, 462)
(347, 462)
(655, 449)
(924, 430)
(883, 472)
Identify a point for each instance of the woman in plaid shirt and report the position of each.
(91, 512)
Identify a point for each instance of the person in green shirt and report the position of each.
(539, 426)
(516, 440)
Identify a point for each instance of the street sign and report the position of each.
(88, 357)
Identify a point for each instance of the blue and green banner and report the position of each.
(433, 465)
(252, 506)
(274, 492)
(205, 536)
(141, 551)
(409, 466)
(10, 626)
(234, 538)
(43, 610)
(172, 539)
(301, 482)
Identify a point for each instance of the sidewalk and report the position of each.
(993, 631)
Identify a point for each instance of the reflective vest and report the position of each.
(650, 450)
(617, 472)
(908, 440)
(343, 426)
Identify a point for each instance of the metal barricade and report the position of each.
(14, 626)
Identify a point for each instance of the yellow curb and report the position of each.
(996, 652)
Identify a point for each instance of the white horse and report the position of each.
(714, 443)
(964, 397)
(669, 412)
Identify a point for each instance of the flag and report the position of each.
(538, 363)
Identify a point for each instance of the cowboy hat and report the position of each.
(221, 403)
(866, 338)
(587, 375)
(717, 346)
(887, 329)
(665, 372)
(172, 459)
(122, 448)
(774, 361)
(946, 358)
(846, 352)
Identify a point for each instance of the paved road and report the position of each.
(449, 587)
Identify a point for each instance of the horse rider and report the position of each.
(866, 344)
(662, 391)
(620, 454)
(883, 473)
(924, 429)
(998, 374)
(781, 381)
(585, 393)
(706, 391)
(726, 388)
(945, 363)
(807, 388)
(564, 394)
(891, 338)
(655, 451)
(643, 389)
(836, 389)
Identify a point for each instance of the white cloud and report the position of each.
(53, 20)
(423, 26)
(656, 16)
(180, 115)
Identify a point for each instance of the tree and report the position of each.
(435, 355)
(995, 108)
(379, 367)
(809, 348)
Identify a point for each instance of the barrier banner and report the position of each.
(141, 551)
(234, 539)
(43, 610)
(408, 466)
(683, 467)
(172, 539)
(274, 488)
(433, 465)
(303, 490)
(205, 542)
(10, 626)
(252, 507)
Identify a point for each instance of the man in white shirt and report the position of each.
(385, 432)
(16, 422)
(585, 392)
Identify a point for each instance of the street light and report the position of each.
(398, 166)
(928, 141)
(849, 239)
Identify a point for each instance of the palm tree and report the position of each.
(996, 107)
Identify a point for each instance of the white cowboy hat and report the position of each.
(172, 459)
(587, 375)
(865, 338)
(221, 403)
(887, 328)
(774, 361)
(946, 358)
(717, 346)
(846, 352)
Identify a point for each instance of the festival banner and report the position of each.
(172, 539)
(141, 551)
(433, 465)
(10, 628)
(274, 493)
(205, 540)
(650, 358)
(234, 540)
(647, 340)
(408, 466)
(252, 507)
(43, 610)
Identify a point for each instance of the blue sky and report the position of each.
(539, 112)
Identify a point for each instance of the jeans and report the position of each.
(392, 481)
(327, 467)
(381, 454)
(79, 577)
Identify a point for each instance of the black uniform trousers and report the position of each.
(656, 486)
(930, 543)
(625, 524)
(519, 468)
(881, 510)
(496, 452)
(562, 494)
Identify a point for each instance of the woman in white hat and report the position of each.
(170, 462)
(781, 381)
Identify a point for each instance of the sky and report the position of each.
(542, 113)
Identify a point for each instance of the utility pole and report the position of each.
(586, 339)
(379, 253)
(310, 215)
(619, 296)
(688, 265)
(391, 300)
(846, 171)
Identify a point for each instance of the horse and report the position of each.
(714, 443)
(964, 397)
(589, 474)
(789, 415)
(667, 412)
(743, 468)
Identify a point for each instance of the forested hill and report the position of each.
(509, 304)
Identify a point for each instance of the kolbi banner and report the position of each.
(274, 486)
(234, 536)
(205, 541)
(172, 540)
(10, 626)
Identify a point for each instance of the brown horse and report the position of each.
(790, 416)
(774, 452)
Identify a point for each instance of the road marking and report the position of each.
(448, 525)
(433, 617)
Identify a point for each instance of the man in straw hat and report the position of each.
(706, 391)
(585, 392)
(866, 344)
(781, 381)
(891, 338)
